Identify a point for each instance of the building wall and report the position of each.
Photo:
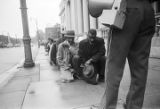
(156, 6)
(52, 32)
(75, 16)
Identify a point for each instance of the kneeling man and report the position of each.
(91, 51)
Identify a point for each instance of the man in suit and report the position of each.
(91, 51)
(132, 42)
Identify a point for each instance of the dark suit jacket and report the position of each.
(94, 51)
(53, 52)
(152, 1)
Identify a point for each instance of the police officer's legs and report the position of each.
(138, 62)
(138, 59)
(121, 42)
(114, 71)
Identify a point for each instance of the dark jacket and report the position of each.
(53, 53)
(94, 51)
(152, 1)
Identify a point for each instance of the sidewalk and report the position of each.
(155, 49)
(15, 83)
(155, 52)
(51, 94)
(38, 88)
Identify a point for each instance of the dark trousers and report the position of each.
(133, 43)
(54, 54)
(99, 65)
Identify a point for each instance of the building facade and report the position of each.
(75, 16)
(52, 32)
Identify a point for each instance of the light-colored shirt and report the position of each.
(63, 54)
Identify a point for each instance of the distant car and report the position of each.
(3, 45)
(17, 45)
(9, 45)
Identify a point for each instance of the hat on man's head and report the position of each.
(69, 33)
(92, 31)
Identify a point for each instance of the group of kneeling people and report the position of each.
(85, 60)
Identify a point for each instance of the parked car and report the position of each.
(3, 45)
(9, 45)
(17, 45)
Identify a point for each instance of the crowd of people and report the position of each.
(84, 60)
(133, 42)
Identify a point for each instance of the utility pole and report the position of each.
(26, 37)
(37, 31)
(37, 34)
(8, 37)
(16, 38)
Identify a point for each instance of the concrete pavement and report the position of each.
(39, 88)
(12, 63)
(49, 93)
(155, 50)
(14, 83)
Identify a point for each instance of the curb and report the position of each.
(6, 76)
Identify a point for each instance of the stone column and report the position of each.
(86, 23)
(79, 16)
(72, 7)
(93, 22)
(67, 15)
(154, 6)
(76, 16)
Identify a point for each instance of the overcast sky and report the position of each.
(45, 12)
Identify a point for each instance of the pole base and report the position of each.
(28, 64)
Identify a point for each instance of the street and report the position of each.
(9, 57)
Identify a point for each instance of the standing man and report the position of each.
(91, 51)
(132, 42)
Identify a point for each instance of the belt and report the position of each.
(142, 0)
